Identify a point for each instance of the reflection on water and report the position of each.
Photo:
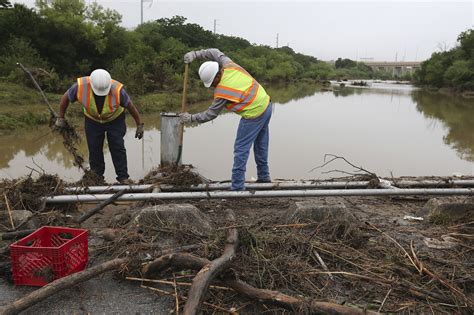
(457, 115)
(386, 128)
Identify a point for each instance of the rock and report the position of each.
(304, 211)
(174, 215)
(110, 234)
(18, 216)
(437, 211)
(120, 219)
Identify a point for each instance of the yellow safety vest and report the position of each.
(111, 109)
(249, 99)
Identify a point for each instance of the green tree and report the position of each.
(5, 4)
(345, 63)
(460, 74)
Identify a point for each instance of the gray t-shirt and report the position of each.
(99, 100)
(218, 104)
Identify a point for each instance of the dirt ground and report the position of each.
(376, 259)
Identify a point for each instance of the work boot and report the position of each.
(126, 181)
(264, 180)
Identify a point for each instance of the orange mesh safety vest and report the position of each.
(111, 109)
(249, 99)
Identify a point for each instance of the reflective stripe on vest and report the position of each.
(111, 109)
(249, 99)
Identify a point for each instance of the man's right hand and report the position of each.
(189, 57)
(60, 123)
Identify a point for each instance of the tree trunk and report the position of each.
(209, 271)
(182, 261)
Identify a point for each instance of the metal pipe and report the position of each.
(171, 144)
(275, 185)
(262, 194)
(269, 186)
(433, 183)
(105, 189)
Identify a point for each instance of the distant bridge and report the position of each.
(397, 68)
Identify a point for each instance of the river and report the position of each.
(386, 128)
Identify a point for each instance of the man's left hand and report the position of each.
(140, 131)
(185, 117)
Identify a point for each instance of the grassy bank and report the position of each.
(22, 107)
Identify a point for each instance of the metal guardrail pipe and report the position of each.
(262, 194)
(219, 186)
(434, 183)
(105, 189)
(268, 186)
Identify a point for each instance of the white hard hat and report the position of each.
(208, 71)
(100, 82)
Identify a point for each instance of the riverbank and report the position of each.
(23, 108)
(360, 252)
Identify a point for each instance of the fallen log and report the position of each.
(100, 206)
(14, 235)
(60, 285)
(182, 261)
(208, 272)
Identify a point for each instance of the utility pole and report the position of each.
(141, 8)
(215, 25)
(277, 40)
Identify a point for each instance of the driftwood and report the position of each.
(182, 261)
(51, 110)
(207, 273)
(60, 285)
(14, 235)
(100, 206)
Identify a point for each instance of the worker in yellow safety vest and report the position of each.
(237, 91)
(103, 103)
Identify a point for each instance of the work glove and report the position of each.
(185, 117)
(60, 122)
(140, 131)
(189, 57)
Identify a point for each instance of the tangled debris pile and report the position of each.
(26, 192)
(71, 141)
(372, 259)
(180, 176)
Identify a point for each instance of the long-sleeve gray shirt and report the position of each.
(218, 104)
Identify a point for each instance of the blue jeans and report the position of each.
(251, 131)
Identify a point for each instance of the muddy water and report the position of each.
(389, 129)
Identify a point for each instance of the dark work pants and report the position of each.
(95, 134)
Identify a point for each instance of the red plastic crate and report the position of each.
(48, 254)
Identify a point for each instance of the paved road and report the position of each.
(104, 295)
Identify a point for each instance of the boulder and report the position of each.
(18, 217)
(438, 211)
(315, 210)
(174, 215)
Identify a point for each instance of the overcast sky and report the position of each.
(379, 30)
